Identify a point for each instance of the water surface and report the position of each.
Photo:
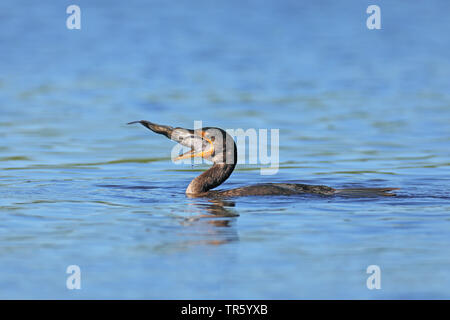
(355, 108)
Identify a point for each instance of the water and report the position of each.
(354, 107)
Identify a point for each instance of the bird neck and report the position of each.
(211, 178)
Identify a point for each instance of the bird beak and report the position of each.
(203, 154)
(164, 130)
(186, 137)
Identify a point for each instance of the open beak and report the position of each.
(200, 145)
(194, 154)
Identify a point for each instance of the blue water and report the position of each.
(355, 108)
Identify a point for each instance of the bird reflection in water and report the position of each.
(214, 218)
(218, 216)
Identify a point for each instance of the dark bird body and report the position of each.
(216, 145)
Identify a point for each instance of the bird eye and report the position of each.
(212, 139)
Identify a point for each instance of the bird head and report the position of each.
(209, 143)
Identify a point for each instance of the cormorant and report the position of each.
(216, 145)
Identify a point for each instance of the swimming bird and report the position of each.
(217, 146)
